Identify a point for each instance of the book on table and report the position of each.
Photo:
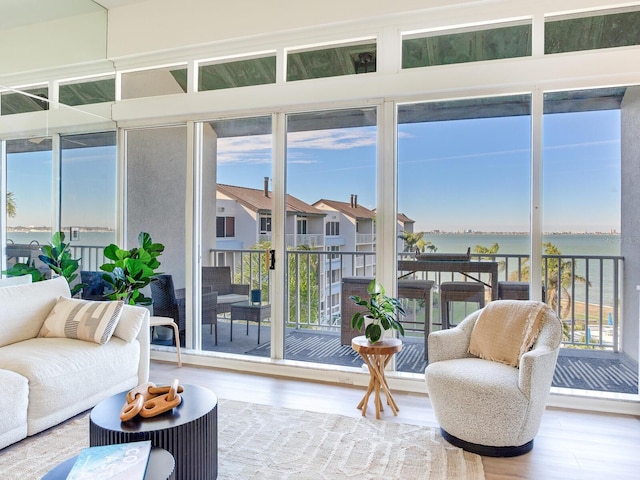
(125, 461)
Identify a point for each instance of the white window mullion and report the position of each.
(56, 182)
(278, 243)
(535, 254)
(386, 197)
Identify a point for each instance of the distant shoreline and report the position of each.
(436, 232)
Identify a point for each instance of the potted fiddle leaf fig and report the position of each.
(382, 313)
(56, 256)
(132, 270)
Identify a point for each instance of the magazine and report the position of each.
(123, 461)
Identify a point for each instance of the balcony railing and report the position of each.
(588, 300)
(293, 240)
(365, 238)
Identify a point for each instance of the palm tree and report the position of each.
(11, 205)
(414, 242)
(559, 278)
(492, 250)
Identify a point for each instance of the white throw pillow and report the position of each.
(82, 319)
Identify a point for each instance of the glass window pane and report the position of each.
(12, 103)
(470, 46)
(88, 195)
(238, 73)
(88, 92)
(563, 34)
(582, 212)
(463, 186)
(29, 187)
(332, 62)
(236, 171)
(331, 178)
(154, 82)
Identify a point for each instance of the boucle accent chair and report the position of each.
(486, 406)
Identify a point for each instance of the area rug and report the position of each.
(269, 443)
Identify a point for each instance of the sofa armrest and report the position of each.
(240, 289)
(452, 343)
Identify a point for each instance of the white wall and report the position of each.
(72, 40)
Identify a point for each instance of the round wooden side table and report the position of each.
(376, 356)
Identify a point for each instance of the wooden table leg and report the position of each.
(377, 381)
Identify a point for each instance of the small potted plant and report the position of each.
(381, 314)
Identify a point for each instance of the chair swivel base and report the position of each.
(487, 450)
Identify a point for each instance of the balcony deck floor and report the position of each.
(604, 371)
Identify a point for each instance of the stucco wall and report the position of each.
(630, 235)
(156, 188)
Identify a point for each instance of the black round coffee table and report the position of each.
(160, 467)
(189, 431)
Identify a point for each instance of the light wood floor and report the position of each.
(570, 444)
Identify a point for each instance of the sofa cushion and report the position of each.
(232, 298)
(14, 402)
(24, 308)
(19, 280)
(87, 320)
(69, 376)
(506, 330)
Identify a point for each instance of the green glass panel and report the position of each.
(492, 44)
(11, 103)
(590, 33)
(180, 76)
(331, 62)
(86, 93)
(241, 73)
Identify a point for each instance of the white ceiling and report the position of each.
(19, 13)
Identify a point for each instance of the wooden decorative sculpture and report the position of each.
(149, 400)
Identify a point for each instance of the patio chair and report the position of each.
(96, 288)
(169, 302)
(219, 280)
(488, 378)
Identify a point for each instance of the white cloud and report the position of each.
(256, 149)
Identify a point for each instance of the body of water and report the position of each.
(568, 244)
(89, 239)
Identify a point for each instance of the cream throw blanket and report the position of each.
(506, 330)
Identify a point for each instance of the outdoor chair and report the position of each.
(96, 288)
(169, 302)
(488, 378)
(218, 279)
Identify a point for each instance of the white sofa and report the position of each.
(45, 381)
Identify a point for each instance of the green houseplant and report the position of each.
(382, 313)
(56, 256)
(131, 270)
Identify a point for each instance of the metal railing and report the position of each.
(587, 300)
(584, 290)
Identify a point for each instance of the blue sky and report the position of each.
(457, 175)
(452, 176)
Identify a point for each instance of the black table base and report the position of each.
(189, 431)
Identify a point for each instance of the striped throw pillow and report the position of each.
(82, 319)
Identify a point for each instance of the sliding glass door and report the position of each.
(463, 192)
